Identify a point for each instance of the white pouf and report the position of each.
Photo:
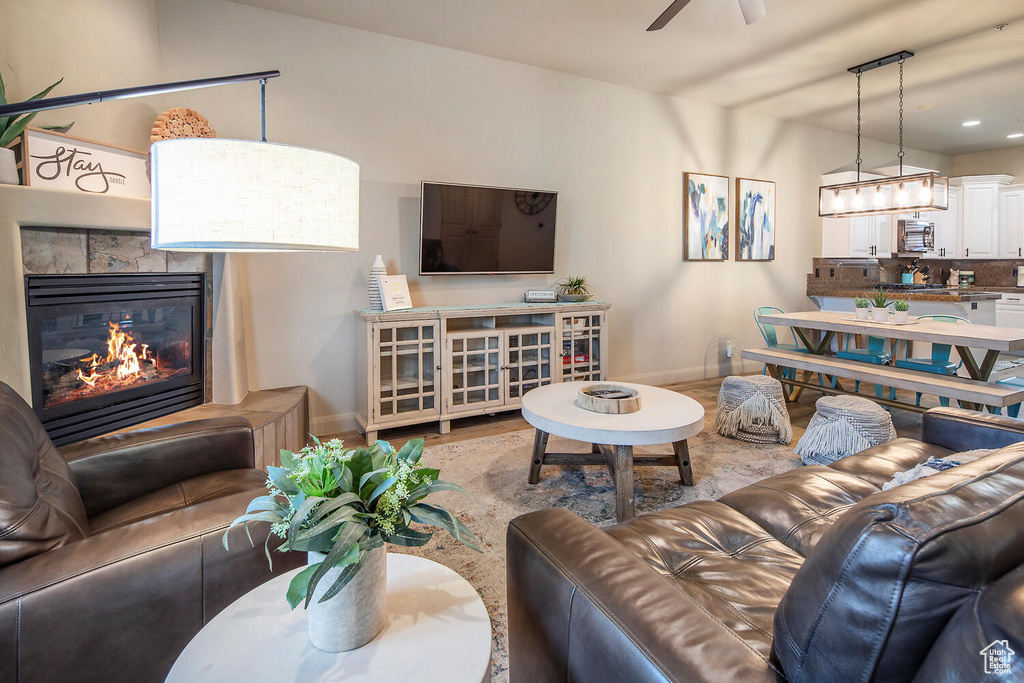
(753, 409)
(842, 426)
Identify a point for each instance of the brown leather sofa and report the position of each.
(110, 556)
(813, 575)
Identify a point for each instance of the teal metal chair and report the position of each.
(1014, 410)
(771, 338)
(939, 362)
(875, 354)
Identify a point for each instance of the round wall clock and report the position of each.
(532, 203)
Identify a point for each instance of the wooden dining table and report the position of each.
(988, 338)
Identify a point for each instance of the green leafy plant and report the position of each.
(13, 126)
(861, 303)
(345, 502)
(574, 286)
(879, 297)
(902, 305)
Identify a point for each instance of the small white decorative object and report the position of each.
(880, 314)
(394, 292)
(358, 613)
(376, 272)
(863, 313)
(901, 317)
(8, 167)
(611, 399)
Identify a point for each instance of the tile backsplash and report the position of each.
(866, 272)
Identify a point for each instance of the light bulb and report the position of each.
(926, 192)
(837, 202)
(858, 201)
(901, 194)
(879, 197)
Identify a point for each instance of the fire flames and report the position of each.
(122, 365)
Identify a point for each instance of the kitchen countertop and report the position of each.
(953, 294)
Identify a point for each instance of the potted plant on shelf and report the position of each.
(13, 126)
(879, 305)
(341, 506)
(862, 308)
(901, 307)
(574, 288)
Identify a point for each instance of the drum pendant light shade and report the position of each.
(211, 194)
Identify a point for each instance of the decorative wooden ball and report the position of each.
(181, 123)
(610, 399)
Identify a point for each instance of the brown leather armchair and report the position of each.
(110, 551)
(814, 575)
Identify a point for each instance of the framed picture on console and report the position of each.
(705, 217)
(755, 220)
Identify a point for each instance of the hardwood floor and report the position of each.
(703, 390)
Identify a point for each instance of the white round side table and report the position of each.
(664, 417)
(437, 630)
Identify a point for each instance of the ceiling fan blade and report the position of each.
(668, 14)
(753, 10)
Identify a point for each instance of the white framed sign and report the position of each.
(63, 162)
(394, 292)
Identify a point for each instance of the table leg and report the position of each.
(682, 452)
(981, 373)
(540, 444)
(625, 503)
(818, 349)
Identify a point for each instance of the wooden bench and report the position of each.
(971, 393)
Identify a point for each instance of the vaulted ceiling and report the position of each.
(792, 65)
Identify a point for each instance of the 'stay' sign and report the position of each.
(63, 162)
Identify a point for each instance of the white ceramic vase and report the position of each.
(863, 313)
(357, 614)
(8, 167)
(378, 269)
(901, 317)
(880, 314)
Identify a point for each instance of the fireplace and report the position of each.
(111, 351)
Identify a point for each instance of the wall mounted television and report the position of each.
(475, 230)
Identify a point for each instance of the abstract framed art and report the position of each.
(755, 220)
(706, 217)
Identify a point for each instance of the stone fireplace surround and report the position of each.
(101, 234)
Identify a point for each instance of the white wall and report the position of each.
(408, 112)
(1009, 160)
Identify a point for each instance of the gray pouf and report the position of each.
(842, 426)
(753, 409)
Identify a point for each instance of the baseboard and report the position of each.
(332, 424)
(736, 367)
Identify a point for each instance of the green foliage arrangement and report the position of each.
(861, 303)
(574, 286)
(13, 126)
(344, 503)
(879, 297)
(902, 305)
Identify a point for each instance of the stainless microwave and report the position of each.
(915, 236)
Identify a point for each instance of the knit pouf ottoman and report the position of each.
(753, 409)
(842, 426)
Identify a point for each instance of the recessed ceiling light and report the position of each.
(971, 123)
(1000, 27)
(1015, 135)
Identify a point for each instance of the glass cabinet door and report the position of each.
(406, 376)
(528, 361)
(581, 347)
(475, 362)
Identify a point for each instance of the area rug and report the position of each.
(494, 469)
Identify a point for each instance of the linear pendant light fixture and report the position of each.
(889, 195)
(212, 194)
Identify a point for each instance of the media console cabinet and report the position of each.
(421, 365)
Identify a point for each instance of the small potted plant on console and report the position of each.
(574, 288)
(901, 307)
(862, 305)
(879, 305)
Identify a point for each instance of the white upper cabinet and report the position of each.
(979, 211)
(1011, 221)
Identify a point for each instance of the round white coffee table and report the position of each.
(664, 417)
(437, 630)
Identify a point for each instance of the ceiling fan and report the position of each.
(753, 10)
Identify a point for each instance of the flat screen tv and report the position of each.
(473, 230)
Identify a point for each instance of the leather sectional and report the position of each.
(812, 575)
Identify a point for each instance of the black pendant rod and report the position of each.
(123, 93)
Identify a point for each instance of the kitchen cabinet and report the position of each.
(435, 364)
(870, 236)
(1011, 222)
(979, 215)
(947, 227)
